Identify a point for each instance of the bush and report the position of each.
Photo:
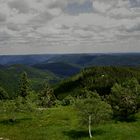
(9, 108)
(19, 105)
(124, 99)
(69, 100)
(46, 96)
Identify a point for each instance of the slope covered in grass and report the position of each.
(62, 124)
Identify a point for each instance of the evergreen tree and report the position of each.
(24, 85)
(46, 96)
(3, 94)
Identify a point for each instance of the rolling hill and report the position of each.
(10, 75)
(65, 65)
(55, 67)
(83, 60)
(99, 79)
(59, 68)
(23, 59)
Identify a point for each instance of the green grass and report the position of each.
(62, 124)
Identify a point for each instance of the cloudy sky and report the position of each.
(69, 26)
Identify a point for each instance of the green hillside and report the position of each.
(9, 77)
(100, 79)
(26, 118)
(60, 69)
(62, 123)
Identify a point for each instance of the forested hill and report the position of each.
(98, 78)
(10, 75)
(66, 65)
(56, 67)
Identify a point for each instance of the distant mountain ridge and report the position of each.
(23, 59)
(84, 60)
(61, 69)
(65, 65)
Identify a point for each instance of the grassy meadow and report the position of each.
(62, 123)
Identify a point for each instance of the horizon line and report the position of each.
(70, 53)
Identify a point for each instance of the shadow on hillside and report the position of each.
(13, 122)
(130, 119)
(75, 134)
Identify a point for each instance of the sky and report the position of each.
(69, 26)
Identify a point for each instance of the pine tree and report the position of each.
(24, 85)
(3, 94)
(46, 96)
